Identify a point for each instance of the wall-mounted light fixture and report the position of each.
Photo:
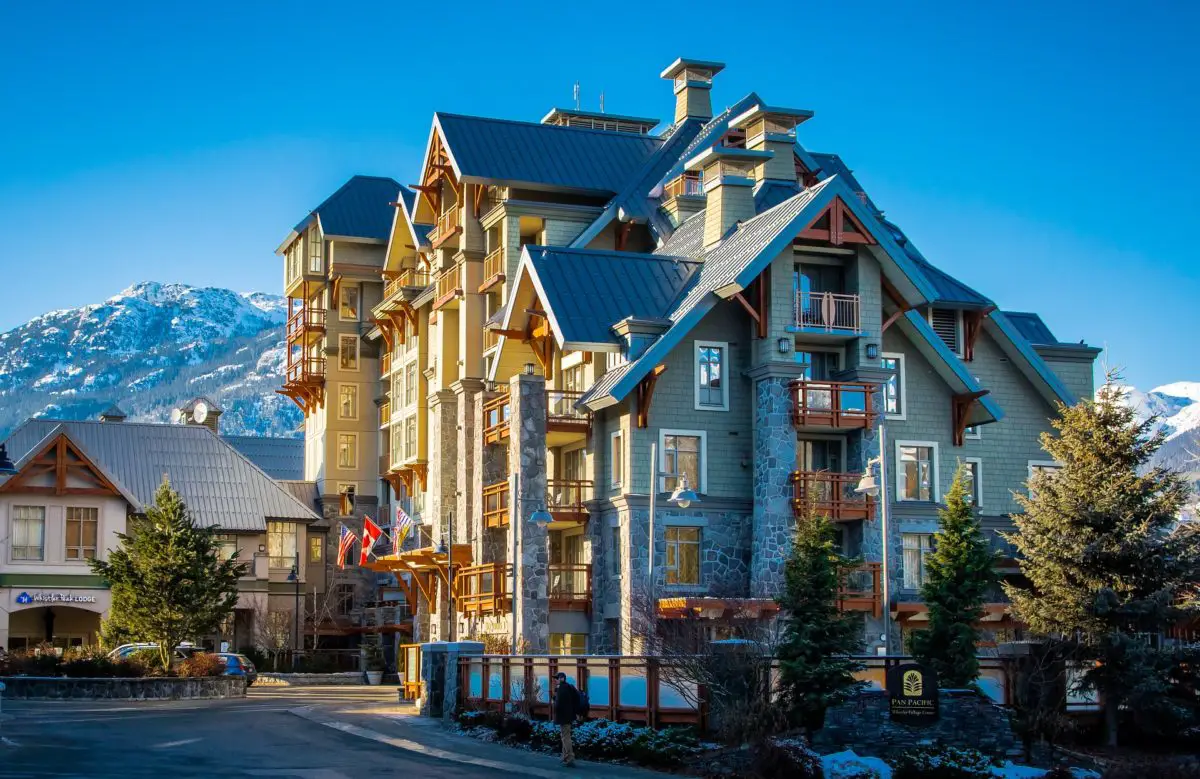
(872, 351)
(528, 369)
(785, 345)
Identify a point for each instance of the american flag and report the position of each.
(345, 540)
(404, 525)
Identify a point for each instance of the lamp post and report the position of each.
(540, 517)
(867, 485)
(683, 496)
(294, 576)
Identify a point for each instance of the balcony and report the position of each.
(832, 494)
(385, 414)
(566, 499)
(494, 268)
(687, 185)
(409, 278)
(495, 504)
(495, 418)
(833, 313)
(862, 590)
(306, 325)
(832, 404)
(564, 422)
(570, 587)
(483, 589)
(449, 287)
(448, 225)
(385, 365)
(306, 370)
(491, 339)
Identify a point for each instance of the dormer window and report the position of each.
(948, 324)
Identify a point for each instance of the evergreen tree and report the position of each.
(816, 671)
(1098, 540)
(168, 581)
(959, 573)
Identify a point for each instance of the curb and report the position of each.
(310, 714)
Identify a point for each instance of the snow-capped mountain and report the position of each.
(1177, 406)
(151, 348)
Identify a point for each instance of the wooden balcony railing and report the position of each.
(409, 277)
(306, 370)
(862, 590)
(495, 418)
(449, 286)
(491, 339)
(306, 322)
(483, 589)
(561, 413)
(494, 269)
(566, 499)
(385, 413)
(448, 225)
(832, 494)
(385, 364)
(832, 404)
(688, 184)
(570, 587)
(828, 312)
(495, 504)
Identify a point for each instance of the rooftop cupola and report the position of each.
(727, 176)
(772, 129)
(199, 411)
(693, 83)
(112, 414)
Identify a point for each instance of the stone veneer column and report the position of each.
(466, 523)
(527, 455)
(441, 498)
(775, 452)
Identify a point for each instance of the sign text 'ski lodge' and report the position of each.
(913, 694)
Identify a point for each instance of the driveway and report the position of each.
(254, 737)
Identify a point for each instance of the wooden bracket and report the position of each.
(960, 406)
(623, 235)
(757, 310)
(645, 394)
(902, 306)
(837, 225)
(972, 327)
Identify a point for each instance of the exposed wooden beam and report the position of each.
(645, 394)
(960, 407)
(746, 305)
(518, 334)
(972, 327)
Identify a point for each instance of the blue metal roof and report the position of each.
(1031, 327)
(501, 150)
(587, 291)
(833, 165)
(711, 133)
(279, 458)
(768, 194)
(359, 209)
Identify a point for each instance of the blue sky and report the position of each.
(1045, 156)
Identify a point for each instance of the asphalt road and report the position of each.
(254, 737)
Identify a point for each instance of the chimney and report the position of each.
(728, 179)
(693, 83)
(112, 414)
(199, 411)
(773, 129)
(637, 334)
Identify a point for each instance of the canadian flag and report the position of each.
(371, 534)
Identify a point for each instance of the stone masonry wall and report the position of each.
(774, 460)
(527, 455)
(147, 689)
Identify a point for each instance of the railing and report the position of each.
(306, 369)
(495, 504)
(494, 268)
(385, 414)
(829, 312)
(570, 586)
(832, 404)
(409, 277)
(408, 663)
(561, 413)
(483, 589)
(831, 494)
(495, 417)
(565, 499)
(448, 285)
(385, 364)
(688, 184)
(307, 319)
(447, 225)
(491, 339)
(861, 590)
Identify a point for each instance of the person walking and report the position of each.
(566, 709)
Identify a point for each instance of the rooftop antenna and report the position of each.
(576, 95)
(601, 101)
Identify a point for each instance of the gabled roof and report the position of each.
(1027, 360)
(496, 151)
(687, 240)
(948, 366)
(219, 485)
(50, 435)
(360, 208)
(586, 292)
(279, 458)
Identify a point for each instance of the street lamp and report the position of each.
(294, 576)
(868, 485)
(6, 465)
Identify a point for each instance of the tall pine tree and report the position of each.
(815, 669)
(167, 578)
(959, 573)
(1099, 545)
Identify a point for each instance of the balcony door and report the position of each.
(820, 455)
(818, 366)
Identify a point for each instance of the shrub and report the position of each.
(201, 664)
(785, 759)
(42, 663)
(602, 739)
(662, 748)
(515, 728)
(317, 663)
(941, 762)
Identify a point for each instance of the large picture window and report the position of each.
(683, 453)
(683, 555)
(917, 548)
(82, 525)
(916, 471)
(712, 390)
(29, 533)
(281, 544)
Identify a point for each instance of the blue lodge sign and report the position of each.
(913, 693)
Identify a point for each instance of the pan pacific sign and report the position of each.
(913, 694)
(31, 598)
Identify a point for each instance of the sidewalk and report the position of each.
(400, 727)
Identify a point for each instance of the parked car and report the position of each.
(239, 665)
(184, 650)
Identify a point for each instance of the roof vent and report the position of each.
(592, 120)
(693, 83)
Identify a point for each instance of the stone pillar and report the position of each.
(527, 455)
(441, 498)
(775, 456)
(636, 596)
(467, 517)
(439, 673)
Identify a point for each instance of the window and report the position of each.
(973, 431)
(410, 384)
(973, 476)
(683, 453)
(916, 470)
(316, 549)
(410, 439)
(947, 323)
(572, 465)
(572, 379)
(343, 596)
(616, 459)
(893, 390)
(281, 544)
(347, 401)
(348, 352)
(347, 451)
(917, 548)
(82, 524)
(683, 555)
(314, 251)
(226, 547)
(1041, 466)
(568, 643)
(29, 533)
(615, 550)
(348, 303)
(712, 391)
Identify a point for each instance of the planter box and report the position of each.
(143, 689)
